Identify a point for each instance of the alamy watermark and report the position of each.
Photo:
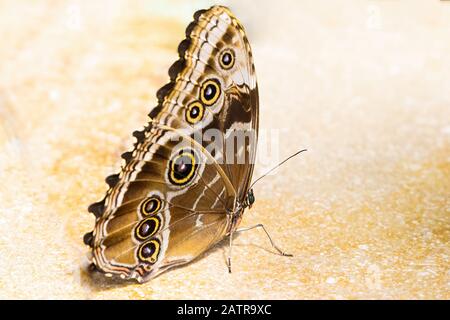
(234, 146)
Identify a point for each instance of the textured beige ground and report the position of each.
(364, 85)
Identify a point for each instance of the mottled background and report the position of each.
(364, 85)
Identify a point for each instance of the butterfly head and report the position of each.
(249, 199)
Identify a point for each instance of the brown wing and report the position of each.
(173, 198)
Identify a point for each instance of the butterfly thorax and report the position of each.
(237, 214)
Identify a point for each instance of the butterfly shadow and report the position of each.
(96, 281)
(247, 246)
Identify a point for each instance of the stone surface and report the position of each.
(364, 86)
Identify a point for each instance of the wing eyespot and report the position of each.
(210, 92)
(226, 59)
(148, 251)
(182, 167)
(147, 228)
(150, 206)
(194, 112)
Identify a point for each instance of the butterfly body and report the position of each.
(177, 194)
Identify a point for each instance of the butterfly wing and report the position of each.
(173, 198)
(157, 215)
(217, 50)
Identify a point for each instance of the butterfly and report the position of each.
(172, 201)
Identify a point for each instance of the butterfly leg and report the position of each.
(259, 225)
(229, 252)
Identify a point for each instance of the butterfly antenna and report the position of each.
(277, 166)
